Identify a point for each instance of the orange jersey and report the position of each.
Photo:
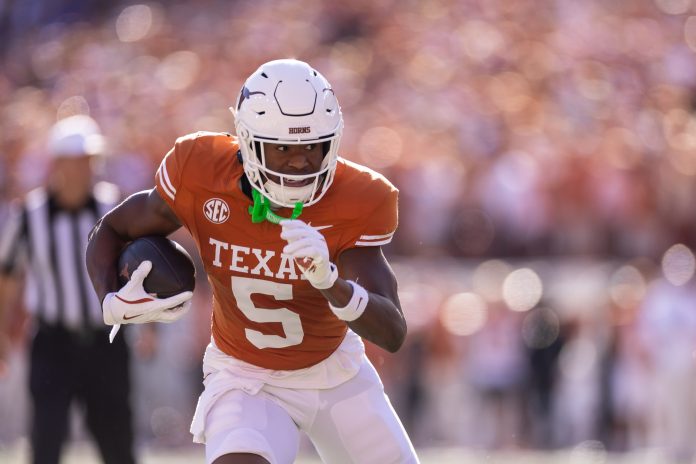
(264, 310)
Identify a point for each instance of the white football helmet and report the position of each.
(287, 102)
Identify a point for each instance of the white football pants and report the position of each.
(351, 423)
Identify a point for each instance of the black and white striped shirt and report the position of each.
(49, 242)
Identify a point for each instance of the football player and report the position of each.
(290, 235)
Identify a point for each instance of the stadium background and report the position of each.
(545, 151)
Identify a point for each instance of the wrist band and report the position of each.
(355, 307)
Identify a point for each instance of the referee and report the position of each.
(71, 358)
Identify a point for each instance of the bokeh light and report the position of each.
(673, 7)
(464, 313)
(178, 70)
(678, 264)
(429, 70)
(627, 287)
(540, 328)
(134, 23)
(488, 278)
(522, 289)
(479, 39)
(593, 80)
(73, 106)
(419, 302)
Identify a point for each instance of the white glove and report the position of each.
(132, 305)
(308, 247)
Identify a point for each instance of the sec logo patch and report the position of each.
(216, 210)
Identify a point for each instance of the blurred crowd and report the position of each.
(558, 136)
(549, 354)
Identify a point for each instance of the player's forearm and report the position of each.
(382, 322)
(103, 249)
(143, 213)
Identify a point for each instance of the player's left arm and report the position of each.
(361, 290)
(382, 322)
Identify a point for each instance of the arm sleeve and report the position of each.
(12, 240)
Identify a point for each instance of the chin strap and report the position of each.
(261, 210)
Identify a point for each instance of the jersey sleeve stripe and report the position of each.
(373, 243)
(166, 183)
(376, 237)
(166, 178)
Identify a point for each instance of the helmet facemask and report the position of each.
(287, 102)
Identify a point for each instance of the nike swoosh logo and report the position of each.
(321, 227)
(142, 300)
(125, 317)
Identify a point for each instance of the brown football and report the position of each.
(172, 271)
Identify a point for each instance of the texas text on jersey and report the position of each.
(264, 311)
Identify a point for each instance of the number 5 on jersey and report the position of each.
(243, 288)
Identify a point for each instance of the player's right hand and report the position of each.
(132, 305)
